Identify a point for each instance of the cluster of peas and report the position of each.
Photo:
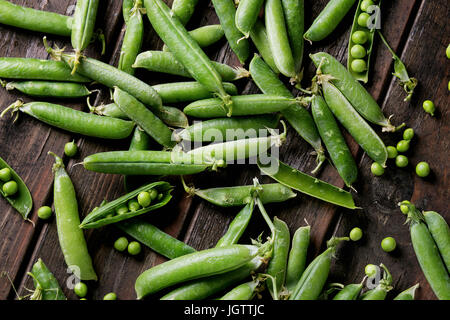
(81, 291)
(388, 244)
(143, 200)
(10, 186)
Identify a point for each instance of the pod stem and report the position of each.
(320, 160)
(189, 190)
(334, 241)
(59, 164)
(413, 214)
(263, 210)
(386, 282)
(14, 108)
(264, 277)
(54, 53)
(241, 73)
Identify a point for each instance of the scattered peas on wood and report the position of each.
(134, 248)
(71, 149)
(392, 152)
(401, 161)
(45, 212)
(408, 134)
(110, 296)
(423, 169)
(388, 244)
(403, 146)
(81, 289)
(121, 244)
(356, 234)
(377, 169)
(429, 107)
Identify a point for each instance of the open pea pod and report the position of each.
(106, 214)
(22, 200)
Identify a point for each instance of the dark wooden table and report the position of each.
(417, 30)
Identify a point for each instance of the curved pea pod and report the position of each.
(350, 292)
(155, 239)
(75, 121)
(359, 129)
(226, 12)
(144, 163)
(106, 214)
(184, 9)
(441, 234)
(247, 14)
(22, 200)
(306, 184)
(205, 36)
(245, 291)
(71, 238)
(109, 110)
(355, 93)
(261, 41)
(196, 265)
(408, 294)
(237, 226)
(165, 62)
(294, 15)
(35, 69)
(177, 92)
(381, 290)
(227, 129)
(32, 19)
(44, 89)
(45, 283)
(297, 257)
(328, 19)
(334, 141)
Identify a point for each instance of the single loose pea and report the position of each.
(423, 169)
(359, 65)
(71, 149)
(356, 234)
(153, 194)
(358, 51)
(365, 5)
(80, 289)
(144, 199)
(110, 296)
(403, 146)
(134, 248)
(45, 212)
(401, 161)
(5, 174)
(121, 244)
(392, 152)
(377, 169)
(10, 188)
(122, 209)
(159, 197)
(408, 134)
(388, 244)
(363, 19)
(404, 209)
(370, 270)
(360, 37)
(448, 51)
(429, 107)
(133, 205)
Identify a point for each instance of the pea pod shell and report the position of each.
(46, 282)
(237, 226)
(184, 9)
(247, 14)
(205, 36)
(278, 263)
(294, 15)
(261, 41)
(84, 23)
(177, 92)
(376, 294)
(245, 291)
(43, 89)
(408, 294)
(350, 292)
(440, 232)
(297, 257)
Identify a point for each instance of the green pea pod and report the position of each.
(247, 14)
(22, 200)
(297, 257)
(334, 141)
(441, 234)
(184, 9)
(328, 19)
(381, 290)
(350, 292)
(155, 239)
(49, 89)
(35, 20)
(185, 49)
(45, 283)
(71, 238)
(205, 36)
(294, 14)
(177, 92)
(359, 129)
(107, 213)
(237, 226)
(109, 110)
(261, 41)
(408, 294)
(127, 9)
(226, 12)
(278, 263)
(31, 69)
(245, 291)
(306, 184)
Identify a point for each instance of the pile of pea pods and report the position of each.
(277, 263)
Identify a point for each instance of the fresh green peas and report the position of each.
(134, 248)
(144, 199)
(370, 270)
(10, 188)
(366, 4)
(408, 134)
(403, 146)
(71, 149)
(358, 51)
(45, 212)
(377, 169)
(423, 169)
(388, 244)
(429, 107)
(360, 37)
(153, 194)
(359, 65)
(121, 244)
(356, 234)
(401, 161)
(363, 19)
(110, 296)
(404, 206)
(122, 209)
(447, 52)
(81, 289)
(392, 152)
(5, 175)
(133, 205)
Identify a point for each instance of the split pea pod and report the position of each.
(334, 141)
(205, 36)
(245, 291)
(184, 9)
(261, 41)
(349, 292)
(381, 290)
(35, 20)
(177, 92)
(297, 257)
(165, 62)
(328, 19)
(185, 49)
(109, 110)
(237, 226)
(359, 129)
(45, 283)
(71, 238)
(226, 12)
(441, 234)
(247, 14)
(45, 89)
(408, 294)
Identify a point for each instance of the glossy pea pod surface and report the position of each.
(205, 36)
(297, 257)
(261, 41)
(408, 294)
(247, 14)
(47, 89)
(237, 226)
(184, 9)
(45, 283)
(84, 23)
(245, 291)
(440, 232)
(349, 292)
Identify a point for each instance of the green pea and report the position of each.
(10, 188)
(403, 146)
(370, 270)
(70, 149)
(360, 37)
(359, 65)
(363, 19)
(423, 169)
(401, 161)
(45, 212)
(80, 289)
(392, 152)
(408, 134)
(429, 107)
(365, 5)
(144, 199)
(153, 194)
(110, 296)
(134, 248)
(449, 86)
(377, 169)
(133, 205)
(121, 244)
(388, 244)
(5, 175)
(447, 52)
(122, 209)
(356, 234)
(358, 51)
(404, 209)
